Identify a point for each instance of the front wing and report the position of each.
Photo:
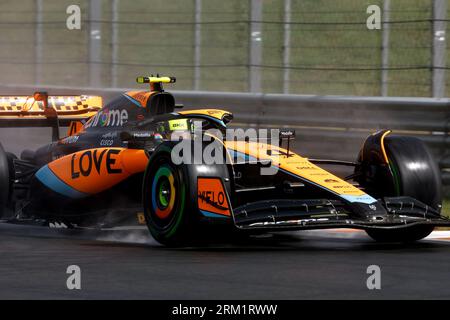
(279, 215)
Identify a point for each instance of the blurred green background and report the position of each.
(157, 36)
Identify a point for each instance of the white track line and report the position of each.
(439, 235)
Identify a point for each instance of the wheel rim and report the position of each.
(163, 192)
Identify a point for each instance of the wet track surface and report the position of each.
(301, 265)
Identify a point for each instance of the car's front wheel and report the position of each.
(166, 201)
(409, 234)
(410, 171)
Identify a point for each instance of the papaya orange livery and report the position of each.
(212, 198)
(74, 128)
(140, 96)
(95, 170)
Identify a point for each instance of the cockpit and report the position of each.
(135, 105)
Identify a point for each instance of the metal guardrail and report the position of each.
(326, 126)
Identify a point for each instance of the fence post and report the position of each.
(95, 13)
(439, 47)
(197, 44)
(255, 56)
(38, 38)
(114, 42)
(286, 45)
(385, 48)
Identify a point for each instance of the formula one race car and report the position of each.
(121, 163)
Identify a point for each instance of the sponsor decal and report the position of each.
(92, 171)
(343, 187)
(140, 218)
(108, 139)
(306, 168)
(106, 142)
(178, 125)
(142, 135)
(110, 135)
(94, 160)
(108, 118)
(330, 181)
(212, 199)
(69, 140)
(287, 133)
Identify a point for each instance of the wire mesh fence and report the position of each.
(310, 47)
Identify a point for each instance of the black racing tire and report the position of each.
(167, 202)
(4, 181)
(415, 174)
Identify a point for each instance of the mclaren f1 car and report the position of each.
(116, 166)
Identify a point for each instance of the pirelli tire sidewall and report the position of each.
(414, 170)
(4, 181)
(411, 169)
(414, 174)
(184, 224)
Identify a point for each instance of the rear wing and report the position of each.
(42, 110)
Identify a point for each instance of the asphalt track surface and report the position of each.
(129, 264)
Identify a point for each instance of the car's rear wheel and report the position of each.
(4, 181)
(412, 172)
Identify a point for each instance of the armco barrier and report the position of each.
(331, 127)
